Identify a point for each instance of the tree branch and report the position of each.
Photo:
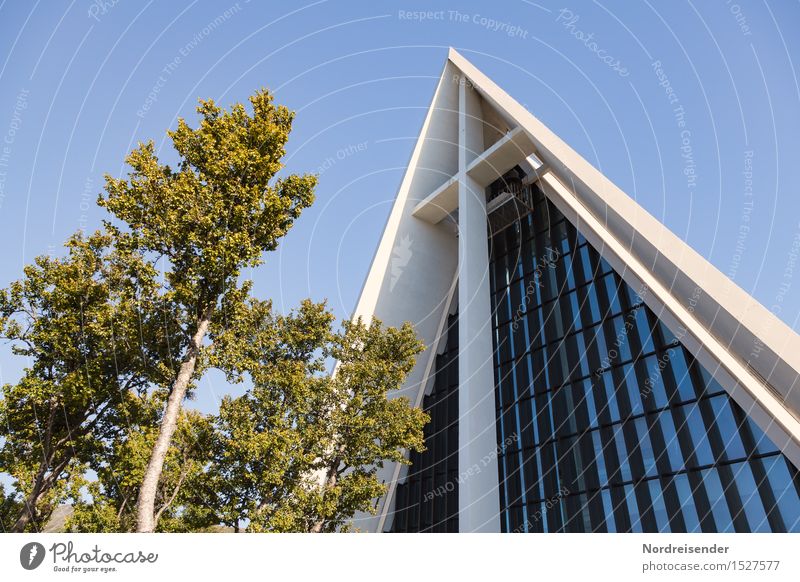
(174, 495)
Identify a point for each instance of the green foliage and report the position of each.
(361, 426)
(300, 451)
(220, 209)
(79, 320)
(263, 450)
(9, 509)
(206, 220)
(118, 332)
(108, 504)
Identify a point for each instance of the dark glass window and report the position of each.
(616, 427)
(428, 499)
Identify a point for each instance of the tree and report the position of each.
(360, 426)
(205, 221)
(80, 321)
(301, 450)
(9, 509)
(119, 331)
(110, 505)
(262, 448)
(259, 464)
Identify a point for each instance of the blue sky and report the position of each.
(82, 81)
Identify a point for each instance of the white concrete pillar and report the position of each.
(478, 491)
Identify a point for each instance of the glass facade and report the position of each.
(428, 500)
(605, 423)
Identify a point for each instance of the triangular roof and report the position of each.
(751, 352)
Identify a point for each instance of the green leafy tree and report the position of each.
(361, 427)
(301, 450)
(108, 503)
(9, 509)
(79, 321)
(262, 449)
(215, 214)
(120, 330)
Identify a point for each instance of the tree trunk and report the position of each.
(28, 511)
(41, 485)
(145, 507)
(26, 514)
(330, 481)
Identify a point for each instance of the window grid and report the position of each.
(614, 425)
(428, 499)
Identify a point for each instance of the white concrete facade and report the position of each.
(472, 134)
(478, 494)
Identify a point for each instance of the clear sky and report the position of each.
(690, 107)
